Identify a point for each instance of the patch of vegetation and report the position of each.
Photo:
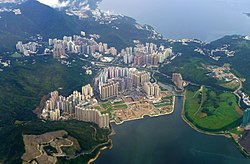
(167, 100)
(85, 133)
(16, 55)
(70, 151)
(160, 105)
(237, 131)
(162, 79)
(241, 59)
(120, 106)
(35, 17)
(50, 150)
(233, 85)
(108, 108)
(119, 102)
(23, 85)
(211, 110)
(192, 70)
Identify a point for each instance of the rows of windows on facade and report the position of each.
(76, 106)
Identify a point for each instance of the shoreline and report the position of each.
(220, 133)
(144, 115)
(113, 132)
(104, 147)
(100, 150)
(224, 134)
(194, 127)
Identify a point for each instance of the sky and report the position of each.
(53, 3)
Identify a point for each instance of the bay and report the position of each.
(168, 139)
(206, 20)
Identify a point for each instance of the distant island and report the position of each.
(248, 14)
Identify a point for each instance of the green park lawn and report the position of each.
(210, 110)
(108, 108)
(120, 106)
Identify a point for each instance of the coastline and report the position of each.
(220, 133)
(99, 152)
(113, 132)
(104, 147)
(151, 116)
(194, 127)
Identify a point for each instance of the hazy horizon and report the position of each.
(206, 20)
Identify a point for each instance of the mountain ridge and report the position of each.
(37, 18)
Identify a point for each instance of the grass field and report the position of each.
(233, 85)
(211, 110)
(120, 106)
(108, 108)
(167, 100)
(160, 105)
(237, 131)
(16, 55)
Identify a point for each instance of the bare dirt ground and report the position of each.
(34, 146)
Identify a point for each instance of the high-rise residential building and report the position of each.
(155, 60)
(105, 47)
(113, 51)
(92, 115)
(152, 89)
(168, 52)
(58, 50)
(246, 117)
(87, 91)
(139, 78)
(178, 81)
(145, 77)
(138, 60)
(162, 57)
(19, 46)
(67, 105)
(109, 90)
(126, 58)
(114, 80)
(54, 114)
(27, 49)
(67, 38)
(50, 42)
(83, 33)
(128, 83)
